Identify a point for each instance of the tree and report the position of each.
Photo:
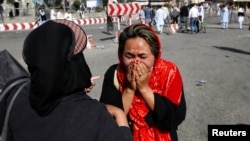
(76, 4)
(10, 1)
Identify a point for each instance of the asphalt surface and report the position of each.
(221, 57)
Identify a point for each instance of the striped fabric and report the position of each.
(80, 35)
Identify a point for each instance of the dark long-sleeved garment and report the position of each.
(76, 118)
(166, 115)
(55, 107)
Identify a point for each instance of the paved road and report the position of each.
(221, 57)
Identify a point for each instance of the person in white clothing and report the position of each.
(52, 14)
(159, 19)
(241, 15)
(68, 15)
(60, 13)
(201, 12)
(165, 10)
(201, 15)
(193, 16)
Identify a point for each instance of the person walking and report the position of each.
(147, 87)
(193, 16)
(166, 11)
(249, 22)
(148, 15)
(54, 106)
(176, 14)
(241, 15)
(201, 16)
(142, 14)
(127, 19)
(224, 16)
(159, 19)
(184, 11)
(110, 25)
(1, 13)
(153, 8)
(82, 10)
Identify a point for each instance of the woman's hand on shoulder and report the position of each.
(88, 90)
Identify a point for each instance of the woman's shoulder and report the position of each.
(111, 69)
(164, 63)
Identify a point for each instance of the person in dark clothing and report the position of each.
(110, 25)
(147, 87)
(249, 19)
(54, 106)
(153, 16)
(1, 14)
(184, 11)
(11, 15)
(148, 15)
(175, 14)
(41, 18)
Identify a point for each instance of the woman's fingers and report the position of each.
(88, 90)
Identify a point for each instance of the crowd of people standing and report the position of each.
(54, 13)
(154, 16)
(172, 14)
(60, 14)
(188, 17)
(225, 15)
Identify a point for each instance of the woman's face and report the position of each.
(137, 49)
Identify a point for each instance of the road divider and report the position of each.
(32, 25)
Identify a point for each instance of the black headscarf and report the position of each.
(53, 53)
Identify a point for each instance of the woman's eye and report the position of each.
(129, 56)
(143, 57)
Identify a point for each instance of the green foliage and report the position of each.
(178, 1)
(83, 1)
(56, 3)
(99, 9)
(10, 1)
(42, 6)
(76, 5)
(1, 1)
